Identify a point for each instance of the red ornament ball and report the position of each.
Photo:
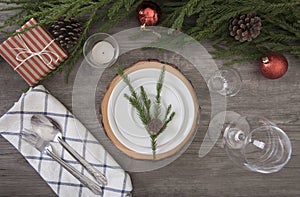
(273, 65)
(148, 13)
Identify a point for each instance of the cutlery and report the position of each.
(45, 147)
(52, 130)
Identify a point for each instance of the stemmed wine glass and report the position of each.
(252, 142)
(257, 144)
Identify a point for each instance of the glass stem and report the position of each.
(235, 138)
(239, 136)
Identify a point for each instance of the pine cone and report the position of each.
(154, 126)
(245, 27)
(66, 32)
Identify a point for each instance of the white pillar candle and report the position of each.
(103, 52)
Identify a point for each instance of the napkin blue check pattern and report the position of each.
(39, 101)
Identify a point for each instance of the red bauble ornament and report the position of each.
(148, 13)
(273, 65)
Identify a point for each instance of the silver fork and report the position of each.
(51, 128)
(45, 147)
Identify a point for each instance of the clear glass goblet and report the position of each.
(257, 144)
(225, 81)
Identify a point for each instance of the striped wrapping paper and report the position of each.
(33, 54)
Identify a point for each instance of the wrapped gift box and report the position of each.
(33, 54)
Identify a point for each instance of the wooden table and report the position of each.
(189, 175)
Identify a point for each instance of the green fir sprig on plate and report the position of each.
(151, 117)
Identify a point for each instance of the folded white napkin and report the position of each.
(39, 101)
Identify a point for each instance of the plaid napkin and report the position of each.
(38, 101)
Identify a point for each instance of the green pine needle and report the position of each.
(159, 85)
(153, 145)
(146, 103)
(166, 122)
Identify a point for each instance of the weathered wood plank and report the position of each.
(214, 175)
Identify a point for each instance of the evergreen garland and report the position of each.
(201, 19)
(209, 20)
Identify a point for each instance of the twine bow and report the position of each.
(40, 54)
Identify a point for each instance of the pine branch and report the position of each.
(147, 104)
(211, 22)
(137, 104)
(77, 49)
(201, 19)
(11, 8)
(159, 85)
(165, 124)
(153, 145)
(49, 11)
(142, 104)
(127, 81)
(167, 113)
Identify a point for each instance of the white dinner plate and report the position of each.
(126, 125)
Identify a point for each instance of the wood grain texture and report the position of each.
(189, 175)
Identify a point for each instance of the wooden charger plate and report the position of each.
(105, 104)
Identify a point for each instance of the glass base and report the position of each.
(225, 81)
(234, 138)
(216, 127)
